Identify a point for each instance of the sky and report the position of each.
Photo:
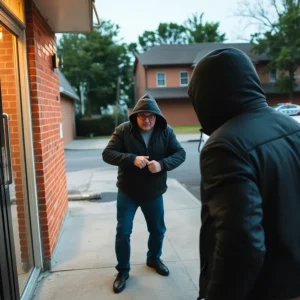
(136, 16)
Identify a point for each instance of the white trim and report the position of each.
(270, 79)
(188, 79)
(68, 94)
(157, 79)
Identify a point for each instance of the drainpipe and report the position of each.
(146, 76)
(98, 24)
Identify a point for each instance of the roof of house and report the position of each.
(190, 54)
(65, 87)
(168, 93)
(181, 92)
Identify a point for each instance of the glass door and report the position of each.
(15, 200)
(8, 277)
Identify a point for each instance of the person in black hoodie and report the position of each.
(250, 191)
(144, 149)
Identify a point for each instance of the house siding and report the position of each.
(178, 112)
(68, 118)
(140, 81)
(172, 75)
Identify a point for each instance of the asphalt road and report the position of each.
(187, 174)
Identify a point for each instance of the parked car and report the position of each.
(288, 109)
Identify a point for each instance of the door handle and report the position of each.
(7, 148)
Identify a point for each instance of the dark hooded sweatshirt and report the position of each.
(127, 143)
(250, 189)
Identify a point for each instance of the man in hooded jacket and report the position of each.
(250, 188)
(144, 149)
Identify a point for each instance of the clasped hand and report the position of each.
(142, 161)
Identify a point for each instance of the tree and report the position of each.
(280, 40)
(193, 31)
(166, 33)
(94, 63)
(203, 33)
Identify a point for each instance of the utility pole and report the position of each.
(117, 101)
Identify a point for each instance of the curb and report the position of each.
(81, 197)
(196, 200)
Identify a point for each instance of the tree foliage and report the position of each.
(279, 37)
(200, 32)
(193, 30)
(93, 62)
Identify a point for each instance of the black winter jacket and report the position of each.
(250, 190)
(127, 143)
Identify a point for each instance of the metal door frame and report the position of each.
(9, 288)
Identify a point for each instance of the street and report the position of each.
(187, 174)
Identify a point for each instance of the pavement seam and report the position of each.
(113, 266)
(91, 176)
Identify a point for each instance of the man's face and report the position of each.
(146, 121)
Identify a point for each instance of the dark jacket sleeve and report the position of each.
(235, 205)
(113, 153)
(176, 154)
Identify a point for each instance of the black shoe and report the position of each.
(120, 282)
(158, 265)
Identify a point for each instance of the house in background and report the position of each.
(68, 97)
(164, 72)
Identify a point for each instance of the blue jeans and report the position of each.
(154, 214)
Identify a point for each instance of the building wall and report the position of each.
(178, 112)
(172, 75)
(46, 119)
(139, 81)
(262, 72)
(68, 118)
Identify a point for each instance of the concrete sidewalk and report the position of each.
(94, 144)
(83, 264)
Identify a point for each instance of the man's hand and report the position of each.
(141, 161)
(154, 166)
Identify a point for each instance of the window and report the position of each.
(273, 75)
(160, 79)
(184, 78)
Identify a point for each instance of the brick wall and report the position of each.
(10, 98)
(46, 118)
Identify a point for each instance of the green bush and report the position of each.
(105, 125)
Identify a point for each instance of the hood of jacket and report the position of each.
(224, 84)
(147, 104)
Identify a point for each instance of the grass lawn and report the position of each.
(186, 129)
